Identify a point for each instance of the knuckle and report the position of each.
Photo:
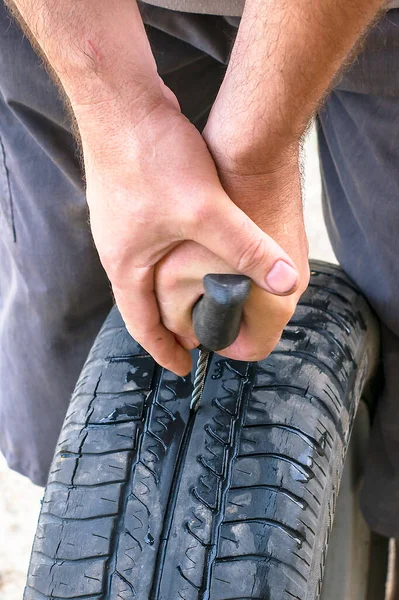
(171, 324)
(111, 261)
(169, 285)
(177, 325)
(253, 255)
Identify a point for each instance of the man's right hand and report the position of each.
(151, 187)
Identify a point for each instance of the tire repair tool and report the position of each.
(217, 320)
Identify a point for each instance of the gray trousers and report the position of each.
(54, 294)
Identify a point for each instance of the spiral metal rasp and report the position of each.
(199, 380)
(217, 321)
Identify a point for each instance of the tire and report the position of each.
(145, 501)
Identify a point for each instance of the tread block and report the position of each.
(260, 503)
(74, 540)
(261, 577)
(98, 439)
(113, 408)
(90, 471)
(62, 470)
(308, 385)
(82, 503)
(272, 471)
(126, 374)
(88, 380)
(32, 594)
(261, 536)
(53, 578)
(105, 409)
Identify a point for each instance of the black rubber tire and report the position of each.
(145, 502)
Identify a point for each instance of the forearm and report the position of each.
(98, 50)
(285, 56)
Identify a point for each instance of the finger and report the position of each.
(176, 316)
(264, 319)
(138, 306)
(186, 342)
(178, 286)
(229, 233)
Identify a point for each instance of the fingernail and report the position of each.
(281, 278)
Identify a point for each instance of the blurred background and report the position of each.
(20, 499)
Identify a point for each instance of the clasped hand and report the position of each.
(163, 214)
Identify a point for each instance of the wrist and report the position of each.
(236, 149)
(92, 82)
(125, 138)
(94, 89)
(114, 116)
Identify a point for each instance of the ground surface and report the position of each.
(20, 500)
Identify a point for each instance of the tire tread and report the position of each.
(145, 501)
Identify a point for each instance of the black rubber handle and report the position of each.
(217, 314)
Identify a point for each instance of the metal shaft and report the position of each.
(217, 320)
(199, 379)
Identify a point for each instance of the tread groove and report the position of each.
(243, 394)
(135, 459)
(303, 505)
(261, 558)
(170, 508)
(311, 441)
(71, 560)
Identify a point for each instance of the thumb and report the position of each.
(230, 234)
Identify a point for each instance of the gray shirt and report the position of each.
(231, 8)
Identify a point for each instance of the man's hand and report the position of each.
(153, 190)
(270, 200)
(284, 58)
